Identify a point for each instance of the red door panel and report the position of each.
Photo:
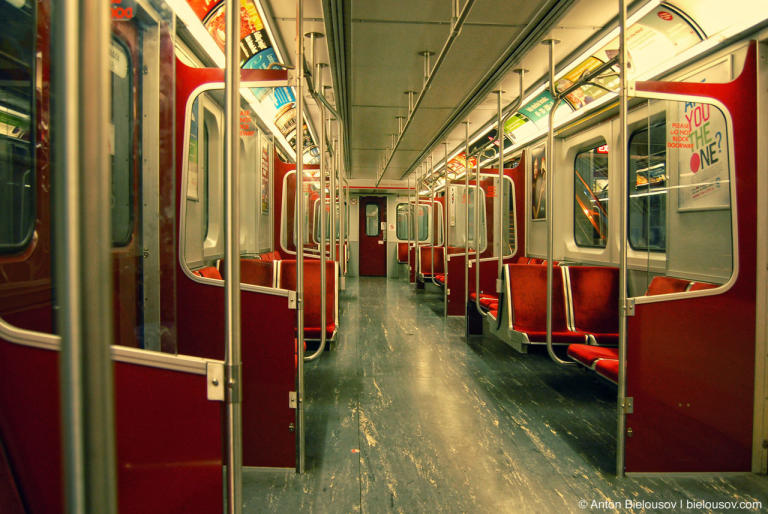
(373, 247)
(691, 362)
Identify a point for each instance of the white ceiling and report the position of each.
(385, 38)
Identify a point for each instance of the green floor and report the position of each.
(404, 416)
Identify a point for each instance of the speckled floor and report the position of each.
(404, 415)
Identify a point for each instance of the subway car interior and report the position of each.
(383, 256)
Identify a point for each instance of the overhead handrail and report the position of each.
(557, 97)
(455, 31)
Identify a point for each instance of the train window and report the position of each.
(422, 222)
(648, 188)
(327, 221)
(590, 197)
(402, 217)
(509, 220)
(371, 220)
(17, 130)
(121, 144)
(459, 203)
(205, 159)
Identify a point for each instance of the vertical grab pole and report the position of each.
(445, 229)
(434, 221)
(323, 246)
(466, 218)
(232, 327)
(550, 208)
(332, 202)
(300, 226)
(500, 196)
(623, 189)
(409, 224)
(477, 238)
(82, 244)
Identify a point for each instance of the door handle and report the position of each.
(380, 242)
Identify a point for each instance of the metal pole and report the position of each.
(477, 238)
(445, 229)
(323, 246)
(82, 243)
(434, 224)
(623, 106)
(455, 31)
(466, 216)
(232, 325)
(300, 226)
(550, 208)
(500, 195)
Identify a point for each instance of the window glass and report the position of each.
(402, 221)
(17, 158)
(206, 160)
(509, 219)
(121, 145)
(422, 222)
(648, 188)
(327, 222)
(459, 204)
(590, 197)
(371, 220)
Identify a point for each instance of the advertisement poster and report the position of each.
(699, 137)
(266, 151)
(538, 183)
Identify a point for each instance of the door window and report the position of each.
(371, 220)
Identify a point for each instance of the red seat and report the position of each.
(402, 253)
(440, 278)
(608, 368)
(587, 354)
(426, 265)
(701, 286)
(666, 285)
(528, 294)
(257, 272)
(595, 300)
(208, 272)
(312, 300)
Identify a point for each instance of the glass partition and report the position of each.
(680, 219)
(590, 196)
(461, 233)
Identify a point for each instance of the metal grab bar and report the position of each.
(455, 31)
(558, 97)
(300, 234)
(466, 217)
(323, 248)
(477, 238)
(500, 137)
(434, 228)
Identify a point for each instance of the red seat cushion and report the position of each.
(700, 286)
(489, 303)
(539, 336)
(494, 312)
(208, 272)
(483, 296)
(314, 332)
(440, 277)
(588, 354)
(608, 368)
(666, 285)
